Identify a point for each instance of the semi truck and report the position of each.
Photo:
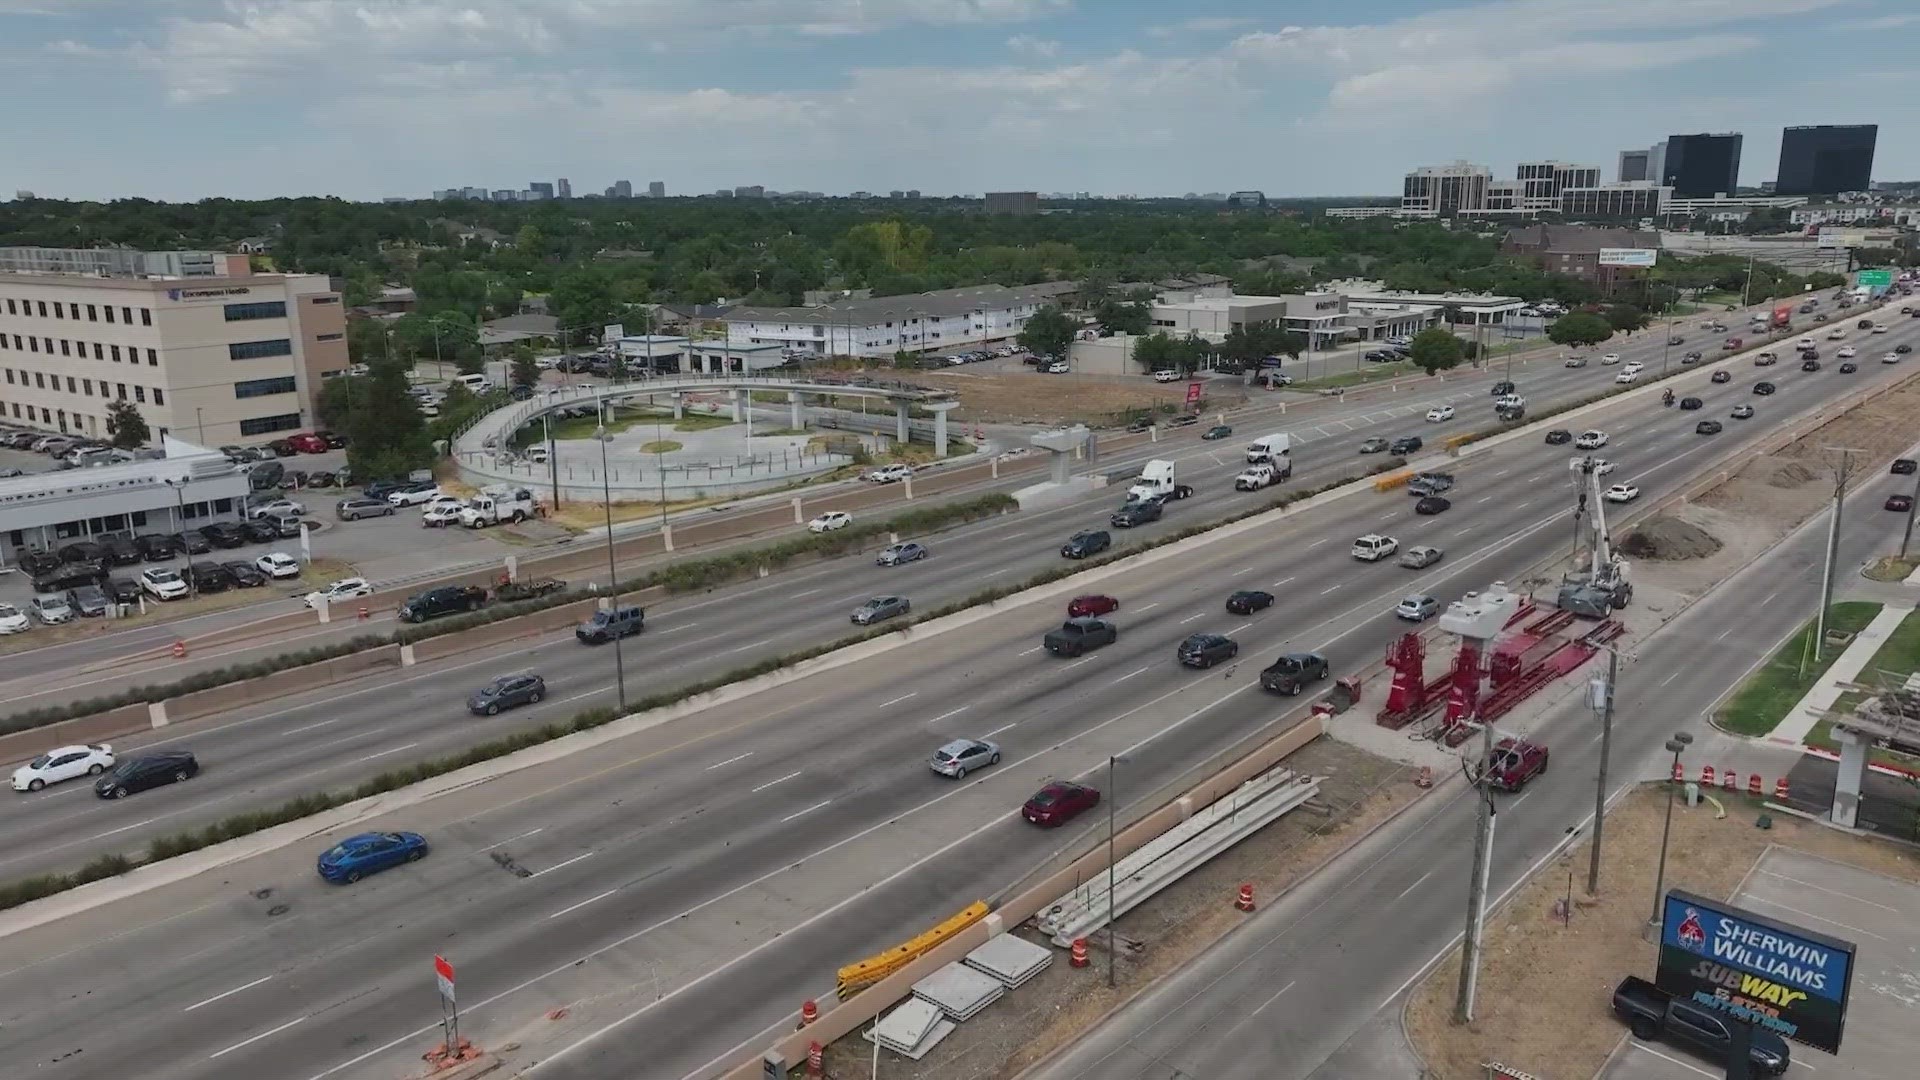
(1156, 482)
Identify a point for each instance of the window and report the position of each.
(43, 308)
(10, 309)
(274, 309)
(115, 349)
(261, 425)
(123, 390)
(254, 350)
(109, 308)
(93, 313)
(72, 387)
(96, 350)
(328, 337)
(153, 358)
(86, 386)
(33, 343)
(9, 376)
(39, 382)
(65, 347)
(263, 387)
(325, 300)
(158, 397)
(57, 313)
(146, 316)
(126, 315)
(140, 394)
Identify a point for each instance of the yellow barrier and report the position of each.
(1455, 442)
(874, 968)
(1391, 481)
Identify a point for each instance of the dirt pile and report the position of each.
(1668, 539)
(1791, 475)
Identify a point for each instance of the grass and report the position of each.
(1771, 692)
(1892, 568)
(1525, 345)
(1718, 300)
(1372, 373)
(660, 446)
(1899, 656)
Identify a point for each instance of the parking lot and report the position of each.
(1879, 915)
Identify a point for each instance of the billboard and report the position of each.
(1790, 981)
(1628, 256)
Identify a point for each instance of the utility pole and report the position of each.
(1842, 472)
(1907, 537)
(1477, 887)
(1605, 705)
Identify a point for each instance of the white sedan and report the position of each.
(413, 497)
(1890, 358)
(1590, 440)
(1601, 466)
(1879, 328)
(63, 764)
(1621, 493)
(1847, 352)
(277, 564)
(829, 521)
(441, 514)
(344, 589)
(12, 621)
(887, 474)
(1610, 358)
(275, 508)
(1444, 412)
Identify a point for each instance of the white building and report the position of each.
(1853, 213)
(237, 358)
(190, 487)
(883, 326)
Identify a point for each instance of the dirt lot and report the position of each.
(1160, 935)
(1025, 397)
(1544, 1003)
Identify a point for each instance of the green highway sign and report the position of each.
(1875, 279)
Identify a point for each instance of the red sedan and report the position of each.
(1091, 604)
(1059, 803)
(308, 444)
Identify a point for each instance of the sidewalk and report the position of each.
(1799, 723)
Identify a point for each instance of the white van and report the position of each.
(1268, 449)
(479, 384)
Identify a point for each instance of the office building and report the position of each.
(505, 195)
(189, 487)
(1630, 199)
(1826, 159)
(563, 189)
(237, 357)
(1251, 200)
(749, 191)
(656, 189)
(112, 262)
(621, 189)
(540, 190)
(1574, 250)
(1702, 166)
(1633, 166)
(1442, 190)
(1541, 182)
(1011, 202)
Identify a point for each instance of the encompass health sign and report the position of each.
(1790, 981)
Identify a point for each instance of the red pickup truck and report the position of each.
(1514, 762)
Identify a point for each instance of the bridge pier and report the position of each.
(940, 411)
(739, 397)
(796, 415)
(679, 405)
(902, 434)
(1848, 777)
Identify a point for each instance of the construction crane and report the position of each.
(1602, 587)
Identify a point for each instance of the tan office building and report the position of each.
(235, 358)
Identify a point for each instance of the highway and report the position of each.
(52, 674)
(264, 754)
(680, 890)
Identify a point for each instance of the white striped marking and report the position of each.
(228, 994)
(558, 866)
(949, 713)
(898, 700)
(804, 813)
(511, 839)
(384, 753)
(1132, 673)
(583, 903)
(771, 783)
(729, 761)
(255, 1039)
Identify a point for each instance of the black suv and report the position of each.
(38, 563)
(245, 574)
(1504, 386)
(1138, 512)
(191, 542)
(445, 600)
(607, 625)
(1086, 543)
(1405, 444)
(141, 773)
(83, 552)
(210, 578)
(121, 550)
(1078, 635)
(1291, 673)
(224, 534)
(1206, 650)
(156, 547)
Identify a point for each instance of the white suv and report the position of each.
(1373, 547)
(1590, 440)
(162, 583)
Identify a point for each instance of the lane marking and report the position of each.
(1083, 660)
(559, 866)
(1769, 598)
(1669, 678)
(383, 753)
(1415, 885)
(583, 903)
(1318, 542)
(256, 1038)
(809, 592)
(750, 645)
(729, 761)
(804, 813)
(511, 839)
(1282, 581)
(949, 713)
(1190, 618)
(682, 626)
(900, 699)
(1269, 1001)
(1132, 673)
(121, 829)
(1144, 607)
(1033, 650)
(1000, 729)
(228, 994)
(771, 783)
(1328, 589)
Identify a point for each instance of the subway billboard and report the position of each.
(1790, 981)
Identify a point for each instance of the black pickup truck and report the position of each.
(1653, 1013)
(1080, 635)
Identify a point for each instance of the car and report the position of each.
(51, 608)
(1610, 358)
(1809, 364)
(829, 521)
(369, 853)
(275, 508)
(1440, 413)
(90, 600)
(1627, 377)
(147, 771)
(163, 583)
(337, 591)
(1693, 358)
(40, 563)
(414, 494)
(1086, 544)
(1879, 328)
(308, 444)
(1732, 344)
(1375, 445)
(121, 550)
(1417, 607)
(355, 508)
(263, 531)
(83, 553)
(1248, 601)
(245, 574)
(1590, 440)
(277, 565)
(1502, 388)
(1291, 673)
(1903, 348)
(1058, 803)
(880, 608)
(1689, 404)
(1849, 368)
(1707, 427)
(611, 624)
(1509, 401)
(895, 554)
(1890, 358)
(1514, 762)
(505, 692)
(1559, 436)
(1137, 512)
(378, 490)
(441, 514)
(1905, 466)
(1206, 650)
(156, 547)
(1864, 324)
(1217, 431)
(1575, 361)
(1080, 635)
(442, 600)
(13, 620)
(1847, 352)
(1421, 556)
(1429, 505)
(1723, 376)
(63, 763)
(1743, 412)
(210, 578)
(1766, 359)
(888, 474)
(1404, 445)
(1902, 503)
(1763, 388)
(224, 534)
(962, 756)
(1091, 604)
(1635, 366)
(1373, 547)
(1166, 375)
(1622, 493)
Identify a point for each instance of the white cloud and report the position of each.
(1033, 46)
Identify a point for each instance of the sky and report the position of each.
(186, 99)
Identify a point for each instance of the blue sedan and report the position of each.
(369, 853)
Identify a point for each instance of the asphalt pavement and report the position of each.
(678, 892)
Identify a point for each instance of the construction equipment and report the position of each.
(1602, 587)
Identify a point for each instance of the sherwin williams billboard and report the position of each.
(1790, 981)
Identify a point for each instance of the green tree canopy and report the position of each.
(1048, 333)
(1156, 352)
(1624, 317)
(1579, 328)
(386, 435)
(1123, 318)
(126, 428)
(1436, 349)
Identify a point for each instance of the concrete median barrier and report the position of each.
(99, 727)
(298, 680)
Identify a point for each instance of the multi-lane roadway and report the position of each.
(677, 892)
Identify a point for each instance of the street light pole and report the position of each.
(1680, 741)
(1113, 799)
(1842, 473)
(1606, 746)
(1477, 887)
(602, 435)
(180, 523)
(1907, 537)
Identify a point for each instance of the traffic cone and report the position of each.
(179, 650)
(816, 1059)
(1079, 956)
(1245, 903)
(1706, 776)
(1753, 785)
(1730, 781)
(1679, 774)
(809, 1012)
(1780, 790)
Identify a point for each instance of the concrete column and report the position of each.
(901, 433)
(157, 714)
(666, 536)
(1847, 779)
(939, 431)
(796, 415)
(799, 516)
(679, 405)
(739, 405)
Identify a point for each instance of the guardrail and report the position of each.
(864, 973)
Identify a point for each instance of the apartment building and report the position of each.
(229, 359)
(882, 326)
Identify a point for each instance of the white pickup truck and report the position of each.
(497, 504)
(1253, 478)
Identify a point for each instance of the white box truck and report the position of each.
(496, 504)
(1274, 450)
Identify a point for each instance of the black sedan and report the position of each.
(245, 574)
(260, 532)
(1689, 404)
(156, 547)
(1217, 431)
(1559, 436)
(1206, 650)
(1707, 427)
(1905, 466)
(1849, 368)
(1902, 503)
(1764, 388)
(1692, 358)
(505, 692)
(1903, 348)
(1248, 601)
(1432, 504)
(1723, 376)
(1809, 364)
(224, 534)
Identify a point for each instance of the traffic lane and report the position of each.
(1359, 957)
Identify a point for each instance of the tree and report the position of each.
(525, 371)
(1247, 345)
(1436, 349)
(1048, 333)
(1123, 318)
(1624, 317)
(386, 435)
(504, 300)
(1579, 328)
(1156, 352)
(126, 428)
